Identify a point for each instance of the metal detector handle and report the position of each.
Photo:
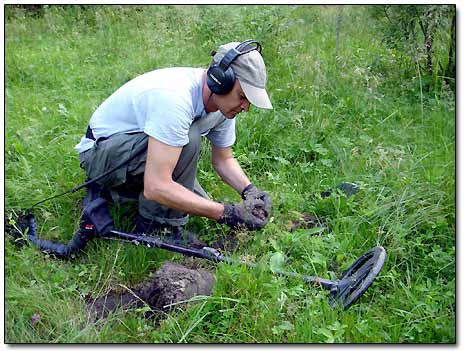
(152, 241)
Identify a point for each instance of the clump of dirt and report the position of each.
(306, 221)
(259, 212)
(256, 208)
(172, 283)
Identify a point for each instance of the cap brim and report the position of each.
(256, 96)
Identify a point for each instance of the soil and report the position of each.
(171, 284)
(306, 221)
(259, 212)
(255, 206)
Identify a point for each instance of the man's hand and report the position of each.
(252, 192)
(249, 214)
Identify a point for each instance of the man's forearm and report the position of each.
(231, 173)
(176, 196)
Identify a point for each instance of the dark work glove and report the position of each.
(249, 214)
(252, 192)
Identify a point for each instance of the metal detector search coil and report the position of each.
(358, 278)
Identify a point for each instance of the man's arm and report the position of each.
(228, 168)
(160, 187)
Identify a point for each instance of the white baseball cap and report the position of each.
(250, 70)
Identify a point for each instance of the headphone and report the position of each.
(220, 77)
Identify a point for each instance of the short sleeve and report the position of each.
(164, 115)
(223, 133)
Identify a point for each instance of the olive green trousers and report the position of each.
(126, 183)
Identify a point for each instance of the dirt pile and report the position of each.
(171, 284)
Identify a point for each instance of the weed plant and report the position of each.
(336, 118)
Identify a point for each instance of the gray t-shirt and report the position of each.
(163, 104)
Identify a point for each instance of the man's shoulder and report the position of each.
(162, 98)
(171, 75)
(173, 81)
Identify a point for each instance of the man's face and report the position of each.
(234, 102)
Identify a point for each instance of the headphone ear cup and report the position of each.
(220, 82)
(229, 80)
(213, 83)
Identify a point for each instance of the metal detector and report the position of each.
(96, 222)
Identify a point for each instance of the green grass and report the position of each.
(349, 118)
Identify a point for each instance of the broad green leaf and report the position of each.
(277, 261)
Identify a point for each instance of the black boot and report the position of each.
(96, 218)
(95, 191)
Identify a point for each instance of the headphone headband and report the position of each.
(233, 53)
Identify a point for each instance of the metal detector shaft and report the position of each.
(316, 281)
(209, 254)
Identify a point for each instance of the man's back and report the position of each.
(174, 93)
